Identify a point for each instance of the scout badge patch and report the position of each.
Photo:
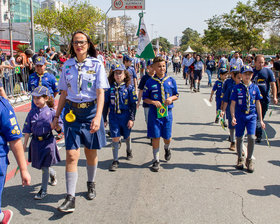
(70, 117)
(162, 111)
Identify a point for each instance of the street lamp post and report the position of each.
(107, 29)
(32, 26)
(10, 28)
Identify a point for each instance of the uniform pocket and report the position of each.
(88, 81)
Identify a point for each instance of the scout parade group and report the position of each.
(90, 100)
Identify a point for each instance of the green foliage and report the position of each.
(78, 16)
(163, 43)
(189, 35)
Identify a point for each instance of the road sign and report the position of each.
(128, 4)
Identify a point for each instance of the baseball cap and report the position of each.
(223, 70)
(40, 91)
(119, 68)
(234, 69)
(40, 61)
(127, 58)
(246, 68)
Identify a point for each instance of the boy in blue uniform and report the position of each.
(42, 78)
(121, 99)
(226, 92)
(127, 61)
(245, 104)
(218, 86)
(10, 132)
(160, 91)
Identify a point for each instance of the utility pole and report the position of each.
(32, 26)
(107, 29)
(10, 15)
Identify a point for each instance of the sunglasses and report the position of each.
(81, 42)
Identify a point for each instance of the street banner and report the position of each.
(145, 47)
(128, 4)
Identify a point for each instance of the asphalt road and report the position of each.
(198, 185)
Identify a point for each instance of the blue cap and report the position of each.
(246, 68)
(149, 62)
(119, 68)
(234, 69)
(40, 60)
(127, 58)
(113, 66)
(223, 70)
(40, 91)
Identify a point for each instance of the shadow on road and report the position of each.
(275, 162)
(203, 137)
(267, 191)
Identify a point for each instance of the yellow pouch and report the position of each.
(70, 117)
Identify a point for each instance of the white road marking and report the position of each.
(207, 102)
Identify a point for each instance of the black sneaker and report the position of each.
(129, 155)
(91, 194)
(167, 154)
(258, 140)
(53, 180)
(114, 166)
(155, 166)
(68, 205)
(40, 195)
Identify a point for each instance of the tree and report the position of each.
(189, 35)
(79, 16)
(45, 21)
(245, 24)
(163, 43)
(128, 28)
(270, 9)
(216, 37)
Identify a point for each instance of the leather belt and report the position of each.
(43, 137)
(81, 105)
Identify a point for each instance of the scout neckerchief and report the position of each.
(247, 97)
(117, 97)
(161, 86)
(79, 80)
(40, 78)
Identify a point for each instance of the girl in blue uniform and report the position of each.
(245, 106)
(160, 91)
(198, 71)
(226, 92)
(121, 99)
(218, 86)
(43, 151)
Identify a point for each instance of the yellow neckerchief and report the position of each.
(161, 86)
(247, 97)
(117, 97)
(40, 78)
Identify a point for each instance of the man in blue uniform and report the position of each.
(265, 79)
(160, 91)
(10, 132)
(127, 61)
(42, 78)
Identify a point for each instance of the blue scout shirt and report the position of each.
(127, 96)
(152, 90)
(236, 62)
(210, 65)
(48, 80)
(132, 73)
(141, 85)
(93, 77)
(218, 86)
(227, 83)
(9, 128)
(239, 96)
(263, 78)
(198, 65)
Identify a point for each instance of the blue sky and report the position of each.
(171, 17)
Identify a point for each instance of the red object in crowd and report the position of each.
(5, 45)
